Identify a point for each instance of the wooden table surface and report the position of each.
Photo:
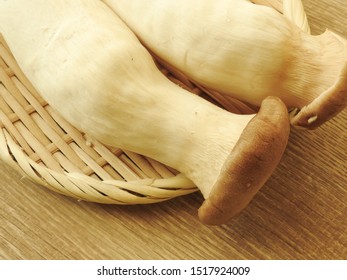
(301, 212)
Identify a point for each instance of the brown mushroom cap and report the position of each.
(250, 164)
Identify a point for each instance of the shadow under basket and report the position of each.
(38, 142)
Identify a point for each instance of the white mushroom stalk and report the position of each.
(246, 50)
(91, 68)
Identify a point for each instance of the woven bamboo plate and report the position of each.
(38, 142)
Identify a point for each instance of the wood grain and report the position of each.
(301, 213)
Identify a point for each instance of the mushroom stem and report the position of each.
(246, 51)
(92, 69)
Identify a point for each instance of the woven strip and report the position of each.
(38, 142)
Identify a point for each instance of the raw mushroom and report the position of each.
(246, 51)
(92, 69)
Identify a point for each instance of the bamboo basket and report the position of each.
(38, 142)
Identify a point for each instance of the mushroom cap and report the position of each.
(333, 100)
(324, 107)
(250, 163)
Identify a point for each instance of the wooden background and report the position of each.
(301, 212)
